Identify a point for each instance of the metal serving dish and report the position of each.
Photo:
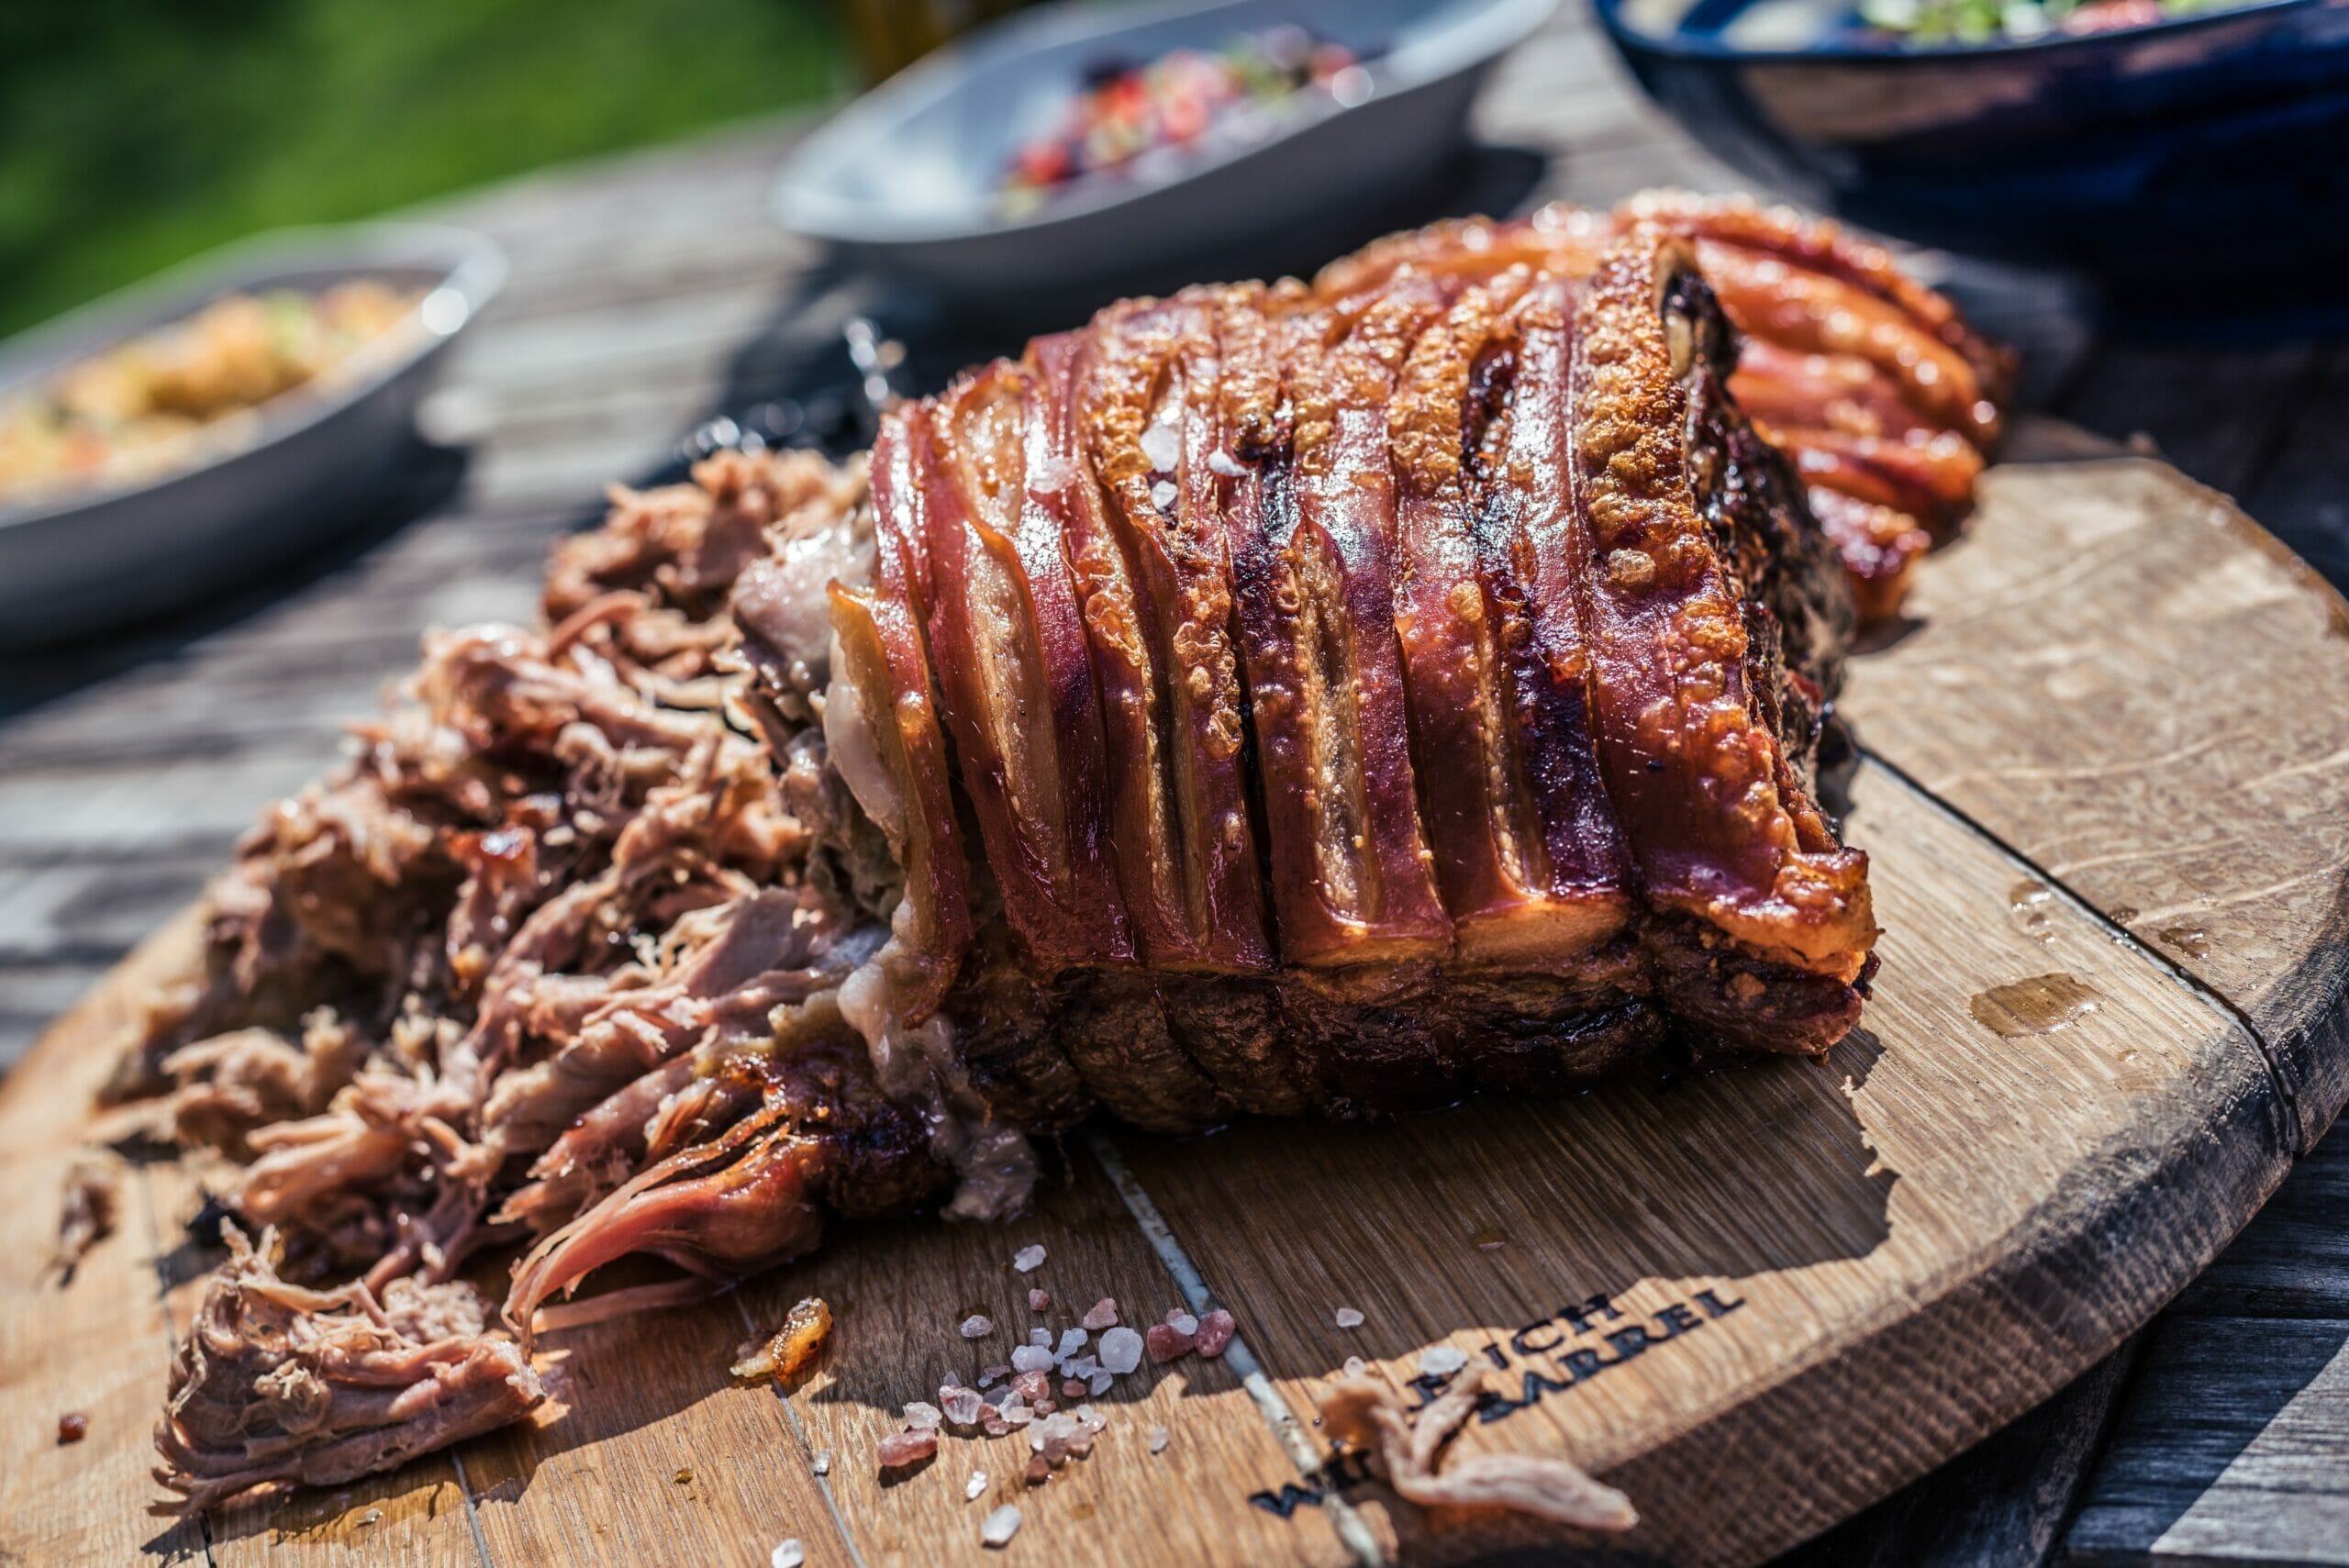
(903, 180)
(86, 560)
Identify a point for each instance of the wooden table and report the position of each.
(650, 292)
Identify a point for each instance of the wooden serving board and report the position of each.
(2106, 792)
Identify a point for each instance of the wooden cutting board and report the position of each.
(2107, 793)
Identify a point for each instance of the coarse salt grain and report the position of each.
(900, 1449)
(1215, 1332)
(1080, 1366)
(1182, 1322)
(1040, 1336)
(1163, 447)
(974, 1485)
(923, 1415)
(1221, 461)
(1103, 1315)
(1348, 1318)
(950, 1380)
(823, 1462)
(1031, 1358)
(1032, 1385)
(1162, 493)
(1356, 1366)
(1000, 1525)
(1441, 1361)
(1073, 1389)
(976, 1327)
(787, 1554)
(1071, 1341)
(1165, 1343)
(1040, 1300)
(993, 1374)
(1121, 1351)
(1099, 1382)
(961, 1406)
(1159, 1438)
(1028, 1260)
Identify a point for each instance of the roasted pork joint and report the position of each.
(1524, 634)
(1283, 699)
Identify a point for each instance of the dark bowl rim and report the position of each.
(1680, 46)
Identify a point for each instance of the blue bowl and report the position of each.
(2201, 161)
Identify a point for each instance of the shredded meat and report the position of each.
(86, 1212)
(1370, 1415)
(277, 1383)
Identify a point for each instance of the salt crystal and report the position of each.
(1000, 1525)
(1071, 1341)
(1163, 447)
(1074, 1388)
(974, 1327)
(1032, 1385)
(962, 1405)
(1357, 1367)
(1040, 1335)
(1159, 1438)
(1045, 1406)
(1103, 1315)
(1222, 462)
(787, 1554)
(1099, 1382)
(1182, 1322)
(974, 1485)
(1053, 473)
(1162, 493)
(923, 1416)
(1039, 1470)
(1027, 1259)
(1215, 1332)
(1441, 1361)
(1079, 1366)
(1348, 1318)
(823, 1464)
(1017, 1401)
(1121, 1351)
(1031, 1358)
(899, 1449)
(993, 1425)
(1165, 1343)
(950, 1380)
(1090, 1419)
(993, 1374)
(1040, 1300)
(1017, 1415)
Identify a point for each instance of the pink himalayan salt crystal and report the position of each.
(1040, 1469)
(993, 1374)
(976, 1327)
(1031, 1358)
(1073, 1389)
(1027, 1259)
(1182, 1322)
(900, 1449)
(1348, 1318)
(921, 1416)
(1103, 1315)
(961, 1406)
(1215, 1332)
(1040, 1301)
(1165, 1342)
(1045, 1406)
(1032, 1385)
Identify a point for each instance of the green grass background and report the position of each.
(136, 133)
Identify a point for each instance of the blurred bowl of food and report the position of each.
(2171, 148)
(1074, 146)
(190, 430)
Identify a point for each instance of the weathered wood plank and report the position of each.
(2040, 689)
(2233, 1447)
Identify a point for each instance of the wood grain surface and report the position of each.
(648, 292)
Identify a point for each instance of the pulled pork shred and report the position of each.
(551, 959)
(1370, 1415)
